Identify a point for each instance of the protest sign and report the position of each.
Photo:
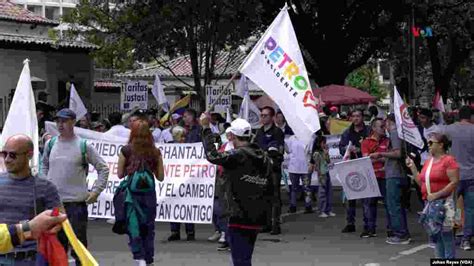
(134, 94)
(332, 142)
(212, 97)
(406, 129)
(277, 67)
(357, 178)
(185, 195)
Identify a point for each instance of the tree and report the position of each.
(152, 30)
(366, 78)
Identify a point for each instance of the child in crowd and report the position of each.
(321, 162)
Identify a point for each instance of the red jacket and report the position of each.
(372, 145)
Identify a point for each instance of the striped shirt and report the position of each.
(16, 198)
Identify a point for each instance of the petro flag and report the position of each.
(76, 104)
(406, 129)
(277, 67)
(21, 117)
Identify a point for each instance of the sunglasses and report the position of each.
(430, 142)
(12, 155)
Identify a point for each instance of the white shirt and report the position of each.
(298, 157)
(156, 134)
(215, 128)
(119, 131)
(166, 136)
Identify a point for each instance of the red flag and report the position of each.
(50, 250)
(438, 102)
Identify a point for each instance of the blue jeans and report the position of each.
(325, 196)
(77, 215)
(143, 247)
(295, 187)
(466, 189)
(445, 248)
(397, 214)
(11, 262)
(220, 223)
(242, 243)
(351, 212)
(370, 206)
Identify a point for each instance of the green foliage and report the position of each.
(366, 78)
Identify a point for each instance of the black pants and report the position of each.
(274, 203)
(77, 216)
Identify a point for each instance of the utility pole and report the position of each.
(412, 86)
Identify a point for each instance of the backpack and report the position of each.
(83, 145)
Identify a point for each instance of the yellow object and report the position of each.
(177, 105)
(84, 255)
(337, 126)
(5, 239)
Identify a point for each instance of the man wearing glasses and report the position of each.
(18, 203)
(271, 139)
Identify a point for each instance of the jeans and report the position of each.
(351, 212)
(295, 185)
(175, 228)
(143, 247)
(445, 248)
(77, 215)
(325, 196)
(466, 189)
(371, 208)
(220, 223)
(397, 213)
(242, 243)
(11, 262)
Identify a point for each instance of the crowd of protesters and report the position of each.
(442, 172)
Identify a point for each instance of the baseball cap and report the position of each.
(240, 127)
(66, 114)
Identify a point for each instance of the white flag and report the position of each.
(228, 117)
(21, 117)
(242, 87)
(277, 67)
(249, 111)
(76, 104)
(357, 178)
(159, 94)
(406, 129)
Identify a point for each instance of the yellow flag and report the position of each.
(84, 255)
(177, 105)
(337, 126)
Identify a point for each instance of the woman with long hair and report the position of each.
(438, 180)
(138, 156)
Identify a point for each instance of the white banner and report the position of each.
(212, 95)
(357, 178)
(406, 129)
(185, 195)
(277, 67)
(134, 94)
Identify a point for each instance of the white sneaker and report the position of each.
(140, 263)
(222, 238)
(215, 236)
(323, 215)
(331, 214)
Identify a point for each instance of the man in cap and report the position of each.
(66, 162)
(249, 171)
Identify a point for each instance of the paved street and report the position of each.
(306, 240)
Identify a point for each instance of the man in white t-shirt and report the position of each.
(117, 128)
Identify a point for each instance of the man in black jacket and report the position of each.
(249, 171)
(271, 139)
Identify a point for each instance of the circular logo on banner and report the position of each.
(356, 181)
(406, 119)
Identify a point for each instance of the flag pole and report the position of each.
(222, 92)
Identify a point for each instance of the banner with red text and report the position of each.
(277, 67)
(185, 195)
